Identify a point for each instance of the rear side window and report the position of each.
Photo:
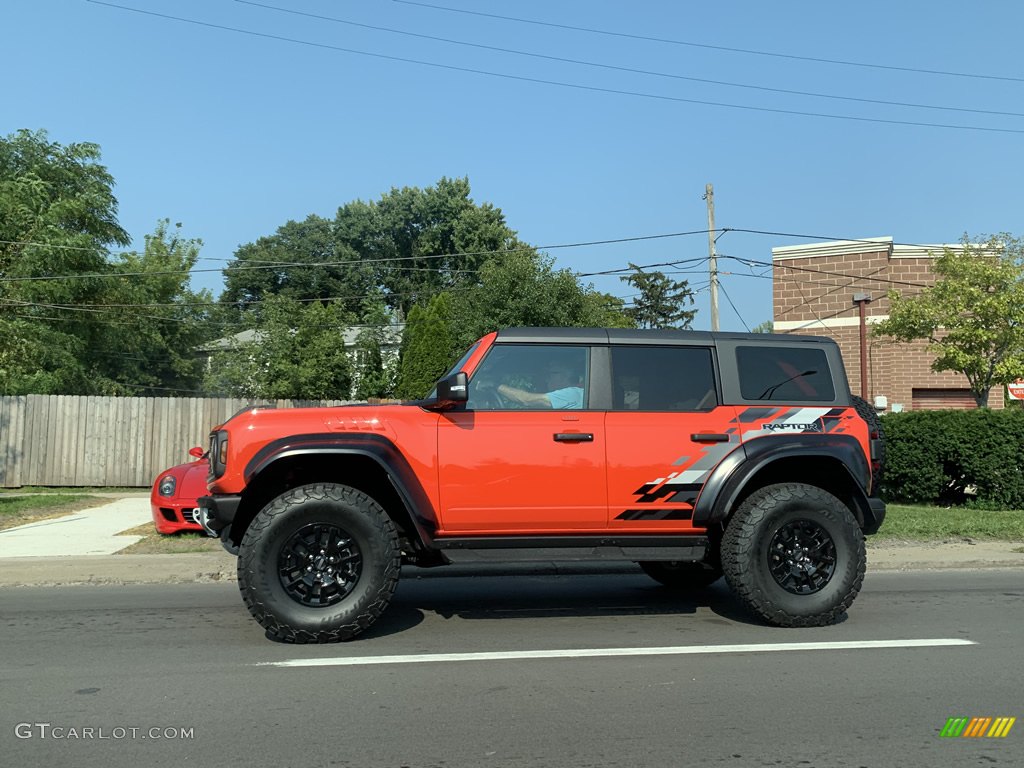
(662, 379)
(784, 373)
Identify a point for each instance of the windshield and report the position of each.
(462, 360)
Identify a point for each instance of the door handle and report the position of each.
(709, 437)
(574, 437)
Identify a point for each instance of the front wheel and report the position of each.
(319, 564)
(794, 554)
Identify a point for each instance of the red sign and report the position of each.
(1016, 389)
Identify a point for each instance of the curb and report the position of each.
(214, 567)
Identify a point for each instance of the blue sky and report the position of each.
(234, 134)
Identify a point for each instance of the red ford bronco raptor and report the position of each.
(693, 454)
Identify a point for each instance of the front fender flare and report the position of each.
(374, 447)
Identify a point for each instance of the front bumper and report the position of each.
(217, 512)
(175, 516)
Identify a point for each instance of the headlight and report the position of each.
(167, 486)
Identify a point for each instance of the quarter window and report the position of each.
(662, 379)
(784, 373)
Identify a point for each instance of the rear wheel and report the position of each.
(794, 554)
(319, 564)
(680, 575)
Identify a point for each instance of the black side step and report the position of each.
(524, 549)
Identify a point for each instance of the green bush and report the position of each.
(955, 457)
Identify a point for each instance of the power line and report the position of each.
(806, 301)
(749, 51)
(631, 70)
(102, 306)
(890, 281)
(353, 263)
(557, 83)
(822, 319)
(728, 298)
(823, 237)
(325, 299)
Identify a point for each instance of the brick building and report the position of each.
(813, 292)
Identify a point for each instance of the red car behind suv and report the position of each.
(174, 494)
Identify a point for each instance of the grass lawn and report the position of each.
(921, 523)
(159, 544)
(18, 510)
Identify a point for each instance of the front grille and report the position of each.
(190, 516)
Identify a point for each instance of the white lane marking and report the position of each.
(580, 653)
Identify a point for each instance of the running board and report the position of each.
(525, 549)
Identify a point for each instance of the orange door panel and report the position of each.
(656, 468)
(522, 471)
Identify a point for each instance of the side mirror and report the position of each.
(451, 390)
(196, 452)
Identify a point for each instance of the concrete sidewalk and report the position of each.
(80, 549)
(89, 532)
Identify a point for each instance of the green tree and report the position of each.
(167, 321)
(374, 376)
(973, 317)
(58, 216)
(766, 327)
(64, 313)
(661, 300)
(523, 288)
(428, 347)
(427, 240)
(302, 260)
(410, 244)
(295, 351)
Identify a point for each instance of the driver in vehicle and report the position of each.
(564, 391)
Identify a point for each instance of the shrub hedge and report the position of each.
(955, 457)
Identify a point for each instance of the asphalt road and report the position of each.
(188, 656)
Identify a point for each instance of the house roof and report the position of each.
(349, 336)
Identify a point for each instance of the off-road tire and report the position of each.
(320, 506)
(682, 576)
(876, 433)
(747, 556)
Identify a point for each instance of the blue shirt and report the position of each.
(569, 397)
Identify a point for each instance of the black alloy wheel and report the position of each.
(794, 554)
(319, 565)
(802, 557)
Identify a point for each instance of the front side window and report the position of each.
(784, 374)
(530, 376)
(662, 379)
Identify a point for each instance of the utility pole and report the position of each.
(709, 195)
(862, 300)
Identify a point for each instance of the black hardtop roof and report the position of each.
(642, 336)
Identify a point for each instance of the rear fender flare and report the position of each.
(730, 478)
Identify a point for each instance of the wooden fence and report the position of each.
(67, 440)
